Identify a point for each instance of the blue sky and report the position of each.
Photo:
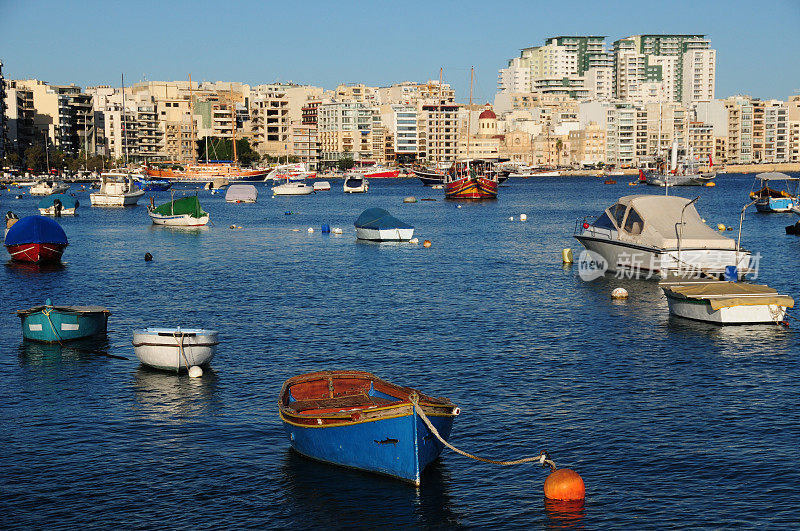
(378, 43)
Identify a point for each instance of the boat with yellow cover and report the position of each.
(726, 302)
(357, 420)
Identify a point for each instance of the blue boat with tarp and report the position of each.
(153, 185)
(377, 224)
(357, 420)
(58, 205)
(55, 324)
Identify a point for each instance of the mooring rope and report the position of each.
(46, 313)
(543, 458)
(180, 351)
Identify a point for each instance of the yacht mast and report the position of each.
(469, 109)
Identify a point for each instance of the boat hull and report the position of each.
(208, 173)
(384, 235)
(641, 261)
(36, 252)
(401, 446)
(429, 177)
(161, 348)
(383, 174)
(471, 188)
(129, 199)
(292, 188)
(51, 211)
(58, 326)
(700, 310)
(695, 179)
(775, 204)
(179, 220)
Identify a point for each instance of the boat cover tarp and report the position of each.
(775, 176)
(241, 192)
(67, 201)
(65, 309)
(379, 219)
(185, 205)
(727, 294)
(36, 229)
(661, 216)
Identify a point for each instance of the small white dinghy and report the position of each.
(723, 303)
(175, 349)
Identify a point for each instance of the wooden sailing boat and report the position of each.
(471, 179)
(195, 172)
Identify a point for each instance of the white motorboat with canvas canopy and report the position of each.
(726, 302)
(661, 236)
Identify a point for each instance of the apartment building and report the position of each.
(621, 135)
(776, 132)
(679, 64)
(271, 123)
(305, 144)
(345, 130)
(19, 113)
(587, 146)
(576, 66)
(439, 132)
(3, 125)
(793, 121)
(355, 92)
(62, 115)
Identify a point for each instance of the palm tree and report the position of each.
(559, 145)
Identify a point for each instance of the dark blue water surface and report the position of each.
(671, 423)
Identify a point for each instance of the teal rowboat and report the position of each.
(55, 324)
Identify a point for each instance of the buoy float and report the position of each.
(287, 213)
(233, 226)
(311, 229)
(511, 218)
(147, 256)
(410, 199)
(566, 256)
(336, 230)
(459, 206)
(195, 372)
(619, 293)
(565, 485)
(711, 184)
(721, 226)
(426, 243)
(326, 229)
(523, 217)
(413, 240)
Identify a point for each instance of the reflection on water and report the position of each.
(564, 514)
(35, 354)
(162, 394)
(32, 268)
(370, 501)
(189, 231)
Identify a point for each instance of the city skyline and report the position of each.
(376, 45)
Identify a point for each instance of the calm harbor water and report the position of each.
(670, 423)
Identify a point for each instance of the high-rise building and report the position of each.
(3, 126)
(665, 60)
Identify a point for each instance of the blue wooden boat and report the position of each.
(357, 420)
(153, 185)
(769, 199)
(55, 324)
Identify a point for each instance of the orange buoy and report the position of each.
(426, 243)
(564, 484)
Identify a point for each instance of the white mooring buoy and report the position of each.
(619, 293)
(195, 372)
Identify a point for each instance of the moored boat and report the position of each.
(36, 239)
(55, 324)
(241, 193)
(152, 185)
(321, 186)
(357, 420)
(58, 205)
(769, 199)
(175, 349)
(660, 236)
(355, 183)
(471, 179)
(208, 172)
(49, 188)
(293, 188)
(182, 212)
(376, 224)
(116, 189)
(726, 302)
